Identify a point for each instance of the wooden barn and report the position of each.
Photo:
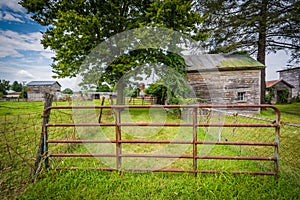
(292, 76)
(225, 78)
(37, 89)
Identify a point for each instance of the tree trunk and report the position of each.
(120, 93)
(261, 54)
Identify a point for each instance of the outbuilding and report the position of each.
(279, 91)
(37, 89)
(225, 78)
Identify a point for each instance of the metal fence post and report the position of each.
(118, 138)
(277, 140)
(195, 110)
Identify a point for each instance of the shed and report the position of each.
(37, 89)
(279, 91)
(292, 76)
(225, 78)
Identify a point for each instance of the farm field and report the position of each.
(19, 145)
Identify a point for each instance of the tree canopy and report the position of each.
(258, 26)
(76, 27)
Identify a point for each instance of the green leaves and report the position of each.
(75, 28)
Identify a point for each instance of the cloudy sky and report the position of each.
(23, 58)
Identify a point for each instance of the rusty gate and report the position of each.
(194, 142)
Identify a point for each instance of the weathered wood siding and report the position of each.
(36, 92)
(292, 76)
(222, 87)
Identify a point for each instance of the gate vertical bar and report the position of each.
(118, 138)
(195, 110)
(277, 140)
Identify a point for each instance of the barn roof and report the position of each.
(274, 82)
(42, 83)
(215, 62)
(288, 69)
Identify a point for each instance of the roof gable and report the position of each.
(212, 62)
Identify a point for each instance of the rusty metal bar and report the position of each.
(170, 170)
(195, 110)
(169, 106)
(166, 124)
(165, 156)
(167, 142)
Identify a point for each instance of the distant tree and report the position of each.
(24, 92)
(4, 86)
(157, 90)
(258, 26)
(67, 91)
(103, 88)
(16, 86)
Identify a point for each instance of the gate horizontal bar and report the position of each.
(167, 142)
(161, 125)
(165, 156)
(167, 170)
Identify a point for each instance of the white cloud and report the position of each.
(12, 5)
(11, 42)
(11, 17)
(23, 74)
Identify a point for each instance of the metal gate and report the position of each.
(195, 142)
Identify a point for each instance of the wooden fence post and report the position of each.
(40, 153)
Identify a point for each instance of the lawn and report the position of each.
(91, 184)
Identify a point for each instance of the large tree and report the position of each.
(257, 26)
(75, 28)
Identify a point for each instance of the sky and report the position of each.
(23, 57)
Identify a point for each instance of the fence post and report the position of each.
(277, 140)
(42, 150)
(118, 138)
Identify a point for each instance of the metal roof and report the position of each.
(211, 62)
(288, 69)
(42, 83)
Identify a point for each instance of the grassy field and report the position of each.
(89, 184)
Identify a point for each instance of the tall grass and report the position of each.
(88, 184)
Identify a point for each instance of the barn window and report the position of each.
(241, 96)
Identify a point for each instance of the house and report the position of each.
(292, 76)
(12, 94)
(279, 91)
(225, 78)
(37, 89)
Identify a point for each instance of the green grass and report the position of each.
(90, 184)
(81, 184)
(290, 113)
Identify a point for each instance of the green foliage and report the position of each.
(16, 86)
(103, 88)
(67, 91)
(269, 95)
(283, 96)
(157, 90)
(4, 86)
(296, 99)
(74, 29)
